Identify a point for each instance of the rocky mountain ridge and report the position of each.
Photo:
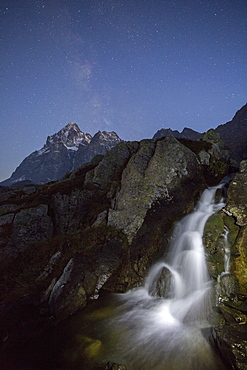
(68, 149)
(63, 152)
(233, 133)
(187, 133)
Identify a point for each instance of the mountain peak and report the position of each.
(63, 152)
(71, 126)
(106, 136)
(70, 136)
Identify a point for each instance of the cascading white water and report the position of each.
(227, 251)
(186, 260)
(164, 331)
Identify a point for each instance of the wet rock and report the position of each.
(232, 343)
(236, 207)
(233, 315)
(213, 242)
(227, 287)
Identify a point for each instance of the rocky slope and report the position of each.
(63, 153)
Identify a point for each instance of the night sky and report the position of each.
(132, 67)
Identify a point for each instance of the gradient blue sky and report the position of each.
(131, 67)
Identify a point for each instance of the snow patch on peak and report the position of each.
(43, 150)
(70, 136)
(106, 136)
(22, 178)
(74, 148)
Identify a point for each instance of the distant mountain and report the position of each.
(63, 152)
(68, 149)
(100, 143)
(187, 133)
(234, 134)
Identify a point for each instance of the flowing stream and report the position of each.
(163, 325)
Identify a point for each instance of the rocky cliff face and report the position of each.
(63, 152)
(100, 229)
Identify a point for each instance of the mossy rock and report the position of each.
(214, 226)
(212, 238)
(240, 262)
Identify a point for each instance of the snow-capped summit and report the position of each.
(105, 138)
(63, 152)
(70, 136)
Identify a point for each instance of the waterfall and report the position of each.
(227, 251)
(165, 328)
(187, 273)
(225, 280)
